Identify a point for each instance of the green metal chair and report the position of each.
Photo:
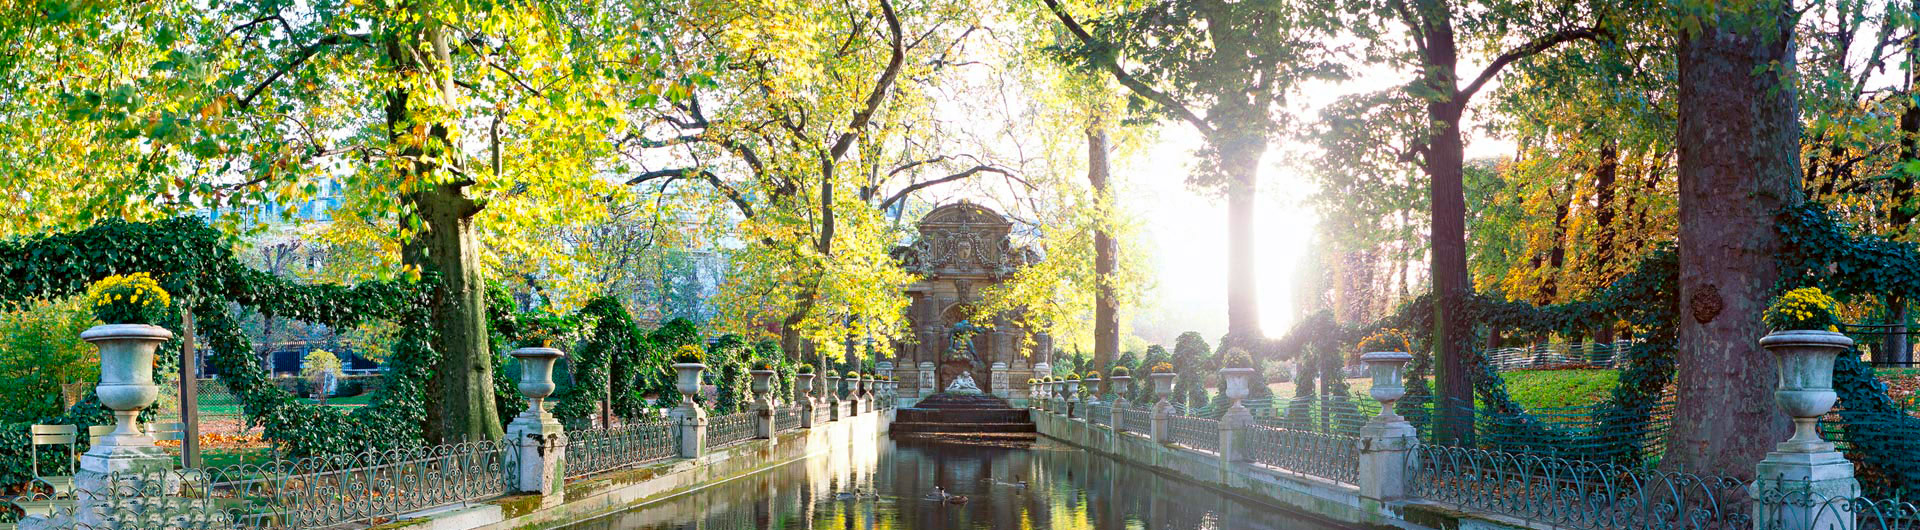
(44, 435)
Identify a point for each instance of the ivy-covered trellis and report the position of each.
(196, 263)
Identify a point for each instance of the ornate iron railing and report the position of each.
(1137, 420)
(602, 450)
(786, 418)
(306, 493)
(1100, 414)
(1601, 354)
(1576, 494)
(730, 429)
(1328, 456)
(1196, 433)
(1795, 507)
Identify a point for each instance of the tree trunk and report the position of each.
(1452, 331)
(444, 244)
(1904, 209)
(1106, 312)
(1739, 137)
(1605, 174)
(1240, 161)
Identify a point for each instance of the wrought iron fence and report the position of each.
(1100, 414)
(315, 492)
(1576, 494)
(1796, 507)
(1601, 354)
(1137, 420)
(601, 450)
(786, 418)
(1328, 456)
(1196, 433)
(730, 429)
(1591, 432)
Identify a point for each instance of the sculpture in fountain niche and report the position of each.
(964, 385)
(961, 356)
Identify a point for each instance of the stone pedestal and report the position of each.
(540, 444)
(763, 426)
(998, 378)
(1385, 447)
(1235, 430)
(692, 422)
(115, 484)
(1804, 490)
(926, 380)
(1119, 411)
(1160, 426)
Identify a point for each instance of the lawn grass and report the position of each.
(1533, 389)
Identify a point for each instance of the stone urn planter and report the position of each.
(126, 377)
(536, 377)
(1091, 384)
(1162, 384)
(1806, 382)
(1236, 381)
(1385, 367)
(834, 387)
(1073, 389)
(1121, 384)
(803, 387)
(762, 380)
(688, 382)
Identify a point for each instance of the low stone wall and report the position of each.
(594, 496)
(1340, 503)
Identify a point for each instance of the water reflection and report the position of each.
(888, 487)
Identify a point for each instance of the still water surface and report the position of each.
(889, 486)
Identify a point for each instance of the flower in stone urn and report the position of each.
(688, 362)
(1073, 386)
(1805, 341)
(1162, 375)
(127, 306)
(1385, 353)
(1237, 367)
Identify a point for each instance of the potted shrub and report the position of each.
(762, 371)
(803, 378)
(1805, 339)
(1236, 368)
(127, 306)
(688, 361)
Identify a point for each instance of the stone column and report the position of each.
(1387, 441)
(762, 406)
(535, 436)
(1236, 425)
(1804, 482)
(803, 390)
(688, 417)
(834, 412)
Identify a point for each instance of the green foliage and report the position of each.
(1191, 355)
(727, 361)
(1119, 371)
(805, 369)
(689, 354)
(317, 365)
(43, 351)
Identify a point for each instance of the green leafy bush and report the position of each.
(41, 355)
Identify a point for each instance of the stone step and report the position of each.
(1014, 438)
(924, 427)
(912, 415)
(962, 401)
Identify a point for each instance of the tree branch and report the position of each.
(902, 194)
(1524, 51)
(299, 57)
(896, 56)
(1126, 79)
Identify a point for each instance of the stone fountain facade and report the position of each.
(962, 250)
